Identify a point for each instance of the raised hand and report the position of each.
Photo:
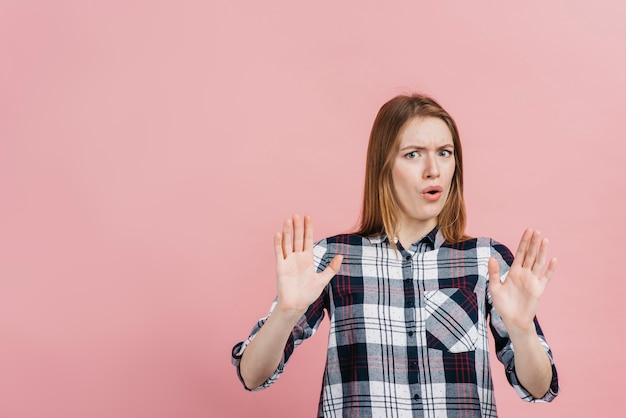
(297, 281)
(517, 298)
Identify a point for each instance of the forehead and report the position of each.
(424, 131)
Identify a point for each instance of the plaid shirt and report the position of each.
(408, 329)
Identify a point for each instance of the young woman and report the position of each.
(409, 295)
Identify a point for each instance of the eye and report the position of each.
(412, 155)
(445, 153)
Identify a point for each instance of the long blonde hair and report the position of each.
(380, 207)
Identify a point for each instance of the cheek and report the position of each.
(402, 182)
(399, 186)
(450, 174)
(449, 180)
(397, 178)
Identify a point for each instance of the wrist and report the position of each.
(288, 314)
(521, 333)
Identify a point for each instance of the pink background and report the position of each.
(150, 149)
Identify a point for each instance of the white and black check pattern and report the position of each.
(408, 329)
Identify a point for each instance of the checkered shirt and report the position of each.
(408, 329)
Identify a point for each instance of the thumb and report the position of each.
(494, 274)
(332, 269)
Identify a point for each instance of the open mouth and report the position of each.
(432, 193)
(432, 190)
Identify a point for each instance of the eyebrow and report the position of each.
(416, 147)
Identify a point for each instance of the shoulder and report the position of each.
(348, 245)
(343, 242)
(482, 246)
(501, 250)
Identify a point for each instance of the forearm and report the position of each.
(532, 364)
(263, 354)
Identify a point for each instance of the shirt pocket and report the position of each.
(451, 320)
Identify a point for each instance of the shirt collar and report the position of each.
(434, 238)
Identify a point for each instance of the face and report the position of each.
(422, 174)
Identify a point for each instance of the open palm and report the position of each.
(298, 283)
(517, 298)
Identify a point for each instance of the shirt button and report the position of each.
(416, 397)
(410, 333)
(410, 304)
(407, 258)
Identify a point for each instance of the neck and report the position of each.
(407, 234)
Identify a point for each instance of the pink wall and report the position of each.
(149, 150)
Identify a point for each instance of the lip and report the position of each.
(432, 189)
(432, 193)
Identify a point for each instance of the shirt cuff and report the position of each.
(523, 393)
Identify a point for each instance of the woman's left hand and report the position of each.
(517, 298)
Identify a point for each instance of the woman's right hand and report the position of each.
(298, 283)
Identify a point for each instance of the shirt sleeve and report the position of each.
(304, 328)
(504, 348)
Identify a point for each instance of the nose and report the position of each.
(431, 170)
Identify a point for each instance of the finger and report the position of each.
(278, 247)
(332, 269)
(542, 256)
(522, 248)
(308, 233)
(494, 270)
(298, 234)
(287, 241)
(550, 271)
(494, 275)
(533, 248)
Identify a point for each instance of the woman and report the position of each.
(409, 295)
